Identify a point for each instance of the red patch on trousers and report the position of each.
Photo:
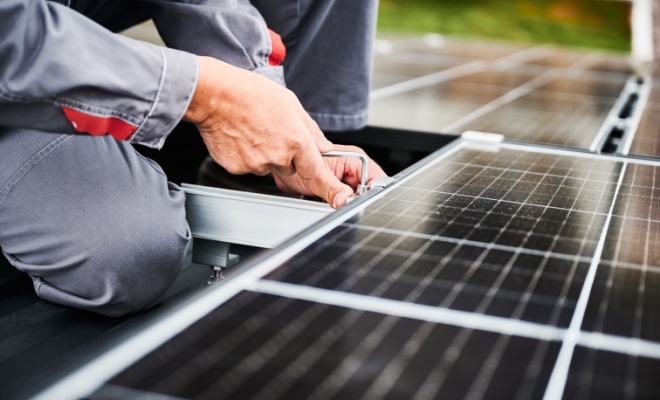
(277, 51)
(97, 126)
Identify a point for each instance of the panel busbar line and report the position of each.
(476, 258)
(501, 233)
(274, 347)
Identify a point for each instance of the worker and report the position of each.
(91, 221)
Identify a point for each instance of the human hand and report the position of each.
(347, 170)
(252, 125)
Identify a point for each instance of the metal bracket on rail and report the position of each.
(619, 128)
(362, 187)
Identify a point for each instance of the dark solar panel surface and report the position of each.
(506, 234)
(547, 117)
(588, 84)
(549, 97)
(612, 64)
(508, 77)
(553, 242)
(262, 346)
(554, 60)
(647, 137)
(626, 293)
(438, 105)
(603, 375)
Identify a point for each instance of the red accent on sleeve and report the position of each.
(97, 126)
(278, 51)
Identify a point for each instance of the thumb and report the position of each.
(330, 189)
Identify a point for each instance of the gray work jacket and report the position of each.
(62, 72)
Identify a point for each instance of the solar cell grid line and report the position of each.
(557, 384)
(589, 362)
(528, 291)
(93, 374)
(627, 285)
(481, 308)
(520, 57)
(382, 253)
(633, 347)
(592, 177)
(446, 268)
(286, 379)
(546, 117)
(303, 377)
(603, 380)
(542, 79)
(588, 83)
(224, 344)
(498, 115)
(480, 385)
(646, 138)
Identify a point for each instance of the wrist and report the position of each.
(197, 111)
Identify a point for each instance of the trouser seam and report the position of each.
(27, 166)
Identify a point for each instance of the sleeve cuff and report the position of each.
(275, 74)
(177, 84)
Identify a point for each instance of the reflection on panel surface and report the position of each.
(558, 59)
(268, 347)
(512, 77)
(588, 84)
(572, 92)
(507, 233)
(546, 117)
(612, 64)
(435, 106)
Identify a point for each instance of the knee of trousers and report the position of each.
(119, 274)
(94, 224)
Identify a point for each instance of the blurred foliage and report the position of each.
(576, 23)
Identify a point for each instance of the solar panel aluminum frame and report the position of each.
(613, 120)
(251, 219)
(247, 278)
(642, 91)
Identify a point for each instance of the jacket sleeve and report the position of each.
(61, 72)
(230, 30)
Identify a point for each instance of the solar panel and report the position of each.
(600, 374)
(647, 137)
(588, 84)
(442, 240)
(537, 95)
(547, 117)
(300, 349)
(489, 270)
(438, 105)
(626, 291)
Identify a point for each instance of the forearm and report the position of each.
(61, 72)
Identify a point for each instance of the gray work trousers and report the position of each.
(98, 227)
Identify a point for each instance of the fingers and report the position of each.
(349, 170)
(325, 185)
(330, 189)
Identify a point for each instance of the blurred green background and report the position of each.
(592, 24)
